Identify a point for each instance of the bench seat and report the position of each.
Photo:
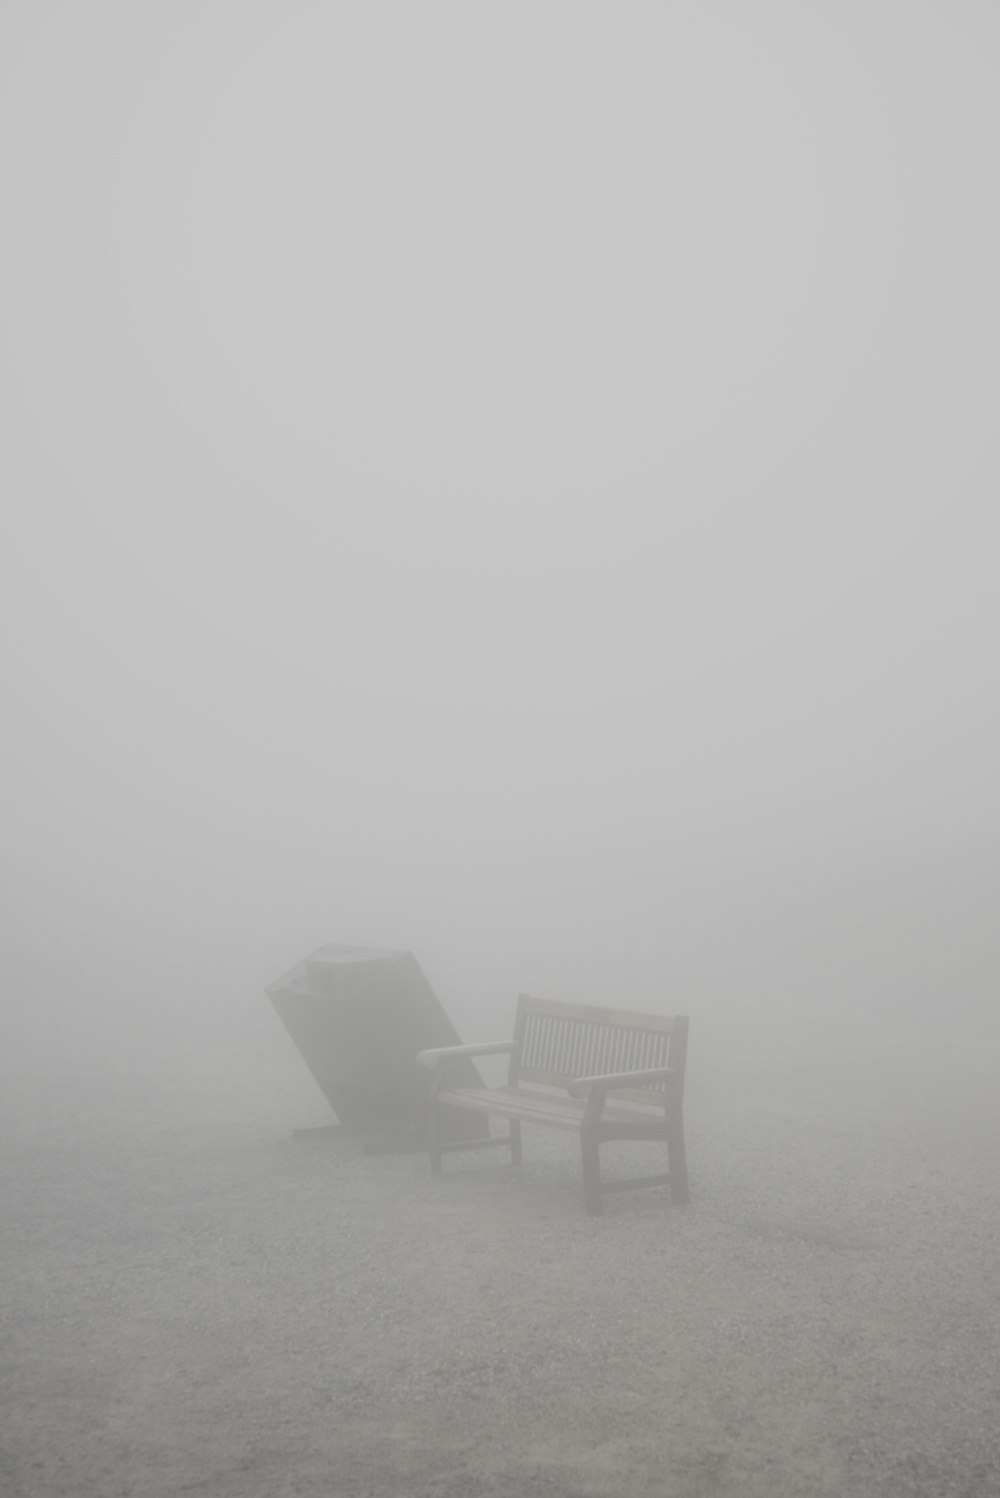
(548, 1109)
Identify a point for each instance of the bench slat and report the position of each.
(558, 1112)
(530, 1107)
(590, 1014)
(557, 1048)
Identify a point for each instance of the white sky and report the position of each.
(513, 480)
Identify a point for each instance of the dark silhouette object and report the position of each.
(577, 1059)
(357, 1016)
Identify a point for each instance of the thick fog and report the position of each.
(514, 482)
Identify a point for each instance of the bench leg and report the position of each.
(434, 1135)
(677, 1157)
(516, 1155)
(590, 1152)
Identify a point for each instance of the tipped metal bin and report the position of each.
(358, 1016)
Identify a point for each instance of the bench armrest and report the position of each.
(581, 1087)
(434, 1058)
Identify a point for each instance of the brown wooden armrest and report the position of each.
(581, 1087)
(431, 1059)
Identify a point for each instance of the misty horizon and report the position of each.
(462, 494)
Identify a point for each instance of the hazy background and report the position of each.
(516, 481)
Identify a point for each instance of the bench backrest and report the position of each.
(561, 1042)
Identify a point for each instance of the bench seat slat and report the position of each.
(556, 1112)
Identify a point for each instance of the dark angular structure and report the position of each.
(358, 1016)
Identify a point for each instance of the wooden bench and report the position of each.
(604, 1074)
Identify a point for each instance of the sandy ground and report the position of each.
(192, 1302)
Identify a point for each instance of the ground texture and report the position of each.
(192, 1302)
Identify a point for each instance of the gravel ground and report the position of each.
(192, 1302)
